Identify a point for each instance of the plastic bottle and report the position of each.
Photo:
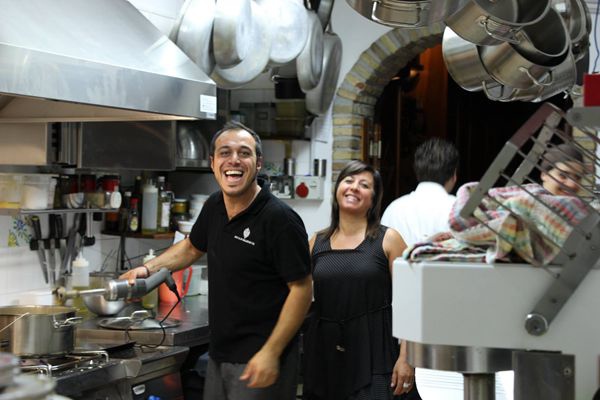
(150, 300)
(80, 281)
(164, 206)
(150, 208)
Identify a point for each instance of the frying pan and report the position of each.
(309, 63)
(319, 99)
(289, 19)
(232, 32)
(258, 55)
(193, 30)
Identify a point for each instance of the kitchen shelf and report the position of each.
(584, 117)
(19, 211)
(155, 236)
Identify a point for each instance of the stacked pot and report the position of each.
(516, 50)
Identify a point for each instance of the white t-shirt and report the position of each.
(420, 214)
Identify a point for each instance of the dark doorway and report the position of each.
(423, 101)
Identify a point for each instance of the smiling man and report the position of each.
(260, 286)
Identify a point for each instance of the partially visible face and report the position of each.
(235, 163)
(566, 176)
(355, 193)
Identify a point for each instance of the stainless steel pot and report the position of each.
(546, 42)
(464, 63)
(257, 58)
(564, 77)
(289, 26)
(193, 32)
(487, 22)
(309, 63)
(37, 330)
(319, 99)
(579, 25)
(232, 25)
(406, 14)
(507, 66)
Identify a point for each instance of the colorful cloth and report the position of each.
(525, 221)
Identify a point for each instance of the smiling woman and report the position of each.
(354, 255)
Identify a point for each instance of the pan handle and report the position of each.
(68, 322)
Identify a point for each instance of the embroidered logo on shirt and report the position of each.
(244, 239)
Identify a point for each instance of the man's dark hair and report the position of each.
(236, 126)
(373, 214)
(436, 160)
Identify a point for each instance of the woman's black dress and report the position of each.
(349, 339)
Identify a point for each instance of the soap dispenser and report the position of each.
(80, 281)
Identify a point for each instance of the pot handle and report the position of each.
(418, 7)
(547, 82)
(510, 38)
(498, 98)
(67, 322)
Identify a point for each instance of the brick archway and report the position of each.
(357, 95)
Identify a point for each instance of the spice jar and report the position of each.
(179, 212)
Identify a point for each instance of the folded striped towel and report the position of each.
(526, 221)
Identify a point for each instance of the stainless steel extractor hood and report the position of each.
(94, 60)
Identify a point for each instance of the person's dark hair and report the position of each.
(236, 126)
(560, 153)
(436, 160)
(352, 168)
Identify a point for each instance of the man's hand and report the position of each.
(262, 370)
(403, 377)
(133, 274)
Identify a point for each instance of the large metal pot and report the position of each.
(464, 63)
(319, 99)
(507, 66)
(487, 22)
(37, 330)
(406, 14)
(546, 42)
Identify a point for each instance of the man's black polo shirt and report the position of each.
(250, 260)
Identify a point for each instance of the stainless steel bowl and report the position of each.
(100, 306)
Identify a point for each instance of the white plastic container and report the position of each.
(149, 208)
(38, 192)
(80, 280)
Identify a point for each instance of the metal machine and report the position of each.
(121, 289)
(535, 316)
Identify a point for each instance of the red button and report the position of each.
(302, 190)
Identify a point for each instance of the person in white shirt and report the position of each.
(424, 212)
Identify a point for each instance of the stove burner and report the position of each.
(55, 365)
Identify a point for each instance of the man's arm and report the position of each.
(180, 255)
(263, 368)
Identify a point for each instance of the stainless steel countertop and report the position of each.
(193, 330)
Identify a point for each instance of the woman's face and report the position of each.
(564, 179)
(355, 193)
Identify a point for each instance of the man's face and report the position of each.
(563, 180)
(235, 163)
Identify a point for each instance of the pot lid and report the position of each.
(127, 323)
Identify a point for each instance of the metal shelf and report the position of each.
(587, 118)
(19, 211)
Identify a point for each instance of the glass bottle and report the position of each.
(137, 194)
(164, 206)
(133, 221)
(150, 300)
